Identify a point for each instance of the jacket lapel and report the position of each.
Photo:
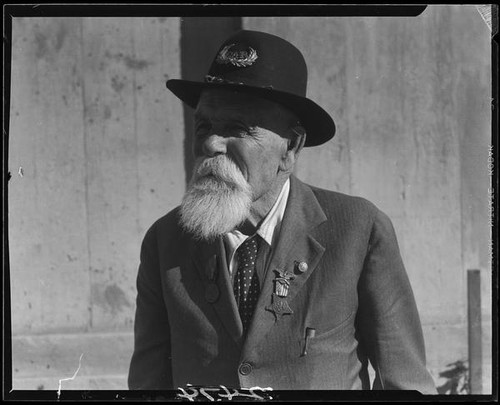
(210, 261)
(296, 244)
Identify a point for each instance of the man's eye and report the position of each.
(237, 130)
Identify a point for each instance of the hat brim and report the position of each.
(318, 124)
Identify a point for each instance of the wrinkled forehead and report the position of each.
(222, 103)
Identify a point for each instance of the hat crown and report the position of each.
(266, 66)
(259, 59)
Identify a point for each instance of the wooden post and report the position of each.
(474, 331)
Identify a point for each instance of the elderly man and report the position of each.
(258, 279)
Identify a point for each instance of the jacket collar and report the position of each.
(297, 244)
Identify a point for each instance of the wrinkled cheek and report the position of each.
(264, 178)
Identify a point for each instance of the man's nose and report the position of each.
(214, 145)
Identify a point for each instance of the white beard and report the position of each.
(217, 200)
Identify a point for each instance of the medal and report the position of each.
(212, 292)
(282, 282)
(279, 306)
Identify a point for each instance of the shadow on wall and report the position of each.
(457, 379)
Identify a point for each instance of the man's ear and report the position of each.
(298, 139)
(295, 145)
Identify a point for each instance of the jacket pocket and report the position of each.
(336, 329)
(331, 337)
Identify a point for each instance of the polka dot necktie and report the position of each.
(246, 282)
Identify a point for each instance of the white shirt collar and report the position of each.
(268, 230)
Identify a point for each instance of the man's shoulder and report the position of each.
(345, 208)
(334, 202)
(355, 213)
(169, 220)
(166, 226)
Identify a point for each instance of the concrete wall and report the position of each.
(100, 142)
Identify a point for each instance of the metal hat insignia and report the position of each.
(237, 58)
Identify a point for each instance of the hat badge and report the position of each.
(237, 58)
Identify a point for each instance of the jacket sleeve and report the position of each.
(388, 318)
(150, 367)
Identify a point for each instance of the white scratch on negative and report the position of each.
(486, 13)
(71, 378)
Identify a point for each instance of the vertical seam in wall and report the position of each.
(136, 137)
(185, 114)
(85, 155)
(349, 59)
(460, 173)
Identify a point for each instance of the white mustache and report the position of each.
(222, 168)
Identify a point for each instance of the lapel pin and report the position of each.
(302, 266)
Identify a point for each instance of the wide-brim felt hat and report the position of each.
(267, 66)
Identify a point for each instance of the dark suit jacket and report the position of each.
(355, 294)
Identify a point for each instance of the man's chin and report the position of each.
(208, 214)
